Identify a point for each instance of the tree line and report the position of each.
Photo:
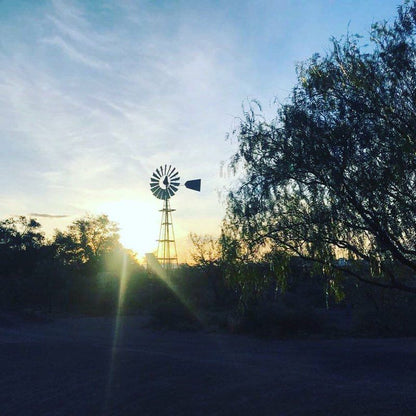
(61, 271)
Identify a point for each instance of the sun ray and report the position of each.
(117, 329)
(163, 275)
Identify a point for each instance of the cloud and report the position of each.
(47, 215)
(75, 54)
(74, 32)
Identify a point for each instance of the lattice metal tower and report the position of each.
(166, 250)
(164, 183)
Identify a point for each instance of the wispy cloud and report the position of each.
(75, 54)
(76, 31)
(35, 214)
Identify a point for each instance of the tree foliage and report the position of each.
(228, 260)
(87, 239)
(20, 241)
(334, 174)
(206, 250)
(20, 233)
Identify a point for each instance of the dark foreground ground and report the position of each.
(76, 366)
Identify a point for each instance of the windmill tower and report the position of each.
(164, 183)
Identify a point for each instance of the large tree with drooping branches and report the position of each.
(334, 174)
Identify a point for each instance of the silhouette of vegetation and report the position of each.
(208, 256)
(61, 272)
(82, 270)
(334, 174)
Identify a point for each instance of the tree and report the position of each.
(207, 256)
(86, 240)
(334, 174)
(20, 233)
(228, 263)
(206, 250)
(20, 243)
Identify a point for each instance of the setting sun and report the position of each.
(138, 221)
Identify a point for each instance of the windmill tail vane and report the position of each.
(164, 183)
(194, 184)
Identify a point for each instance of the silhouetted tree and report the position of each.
(86, 240)
(21, 249)
(206, 254)
(335, 172)
(20, 241)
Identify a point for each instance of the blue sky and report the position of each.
(94, 95)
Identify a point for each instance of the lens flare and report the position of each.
(156, 268)
(117, 327)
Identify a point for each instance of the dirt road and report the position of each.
(80, 366)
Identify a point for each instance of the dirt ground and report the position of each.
(84, 366)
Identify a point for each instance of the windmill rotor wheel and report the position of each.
(164, 182)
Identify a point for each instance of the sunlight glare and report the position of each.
(139, 223)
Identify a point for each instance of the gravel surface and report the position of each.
(84, 366)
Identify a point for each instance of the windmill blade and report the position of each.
(174, 177)
(166, 169)
(159, 193)
(154, 180)
(171, 192)
(173, 173)
(164, 193)
(175, 183)
(170, 167)
(173, 187)
(155, 176)
(154, 188)
(194, 184)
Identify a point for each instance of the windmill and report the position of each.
(164, 183)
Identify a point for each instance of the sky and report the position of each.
(94, 95)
